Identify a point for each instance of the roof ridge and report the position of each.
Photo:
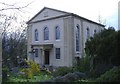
(57, 10)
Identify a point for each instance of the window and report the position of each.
(46, 33)
(77, 38)
(57, 33)
(36, 52)
(95, 31)
(36, 35)
(88, 33)
(57, 51)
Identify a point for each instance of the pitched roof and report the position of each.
(44, 9)
(67, 14)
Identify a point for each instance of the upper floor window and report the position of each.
(36, 52)
(88, 33)
(77, 38)
(57, 52)
(57, 32)
(46, 33)
(36, 35)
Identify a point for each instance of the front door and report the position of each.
(47, 57)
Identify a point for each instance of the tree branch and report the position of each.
(13, 6)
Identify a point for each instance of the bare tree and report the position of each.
(13, 42)
(13, 6)
(5, 19)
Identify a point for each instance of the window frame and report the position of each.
(36, 35)
(95, 31)
(46, 33)
(57, 33)
(57, 53)
(77, 38)
(36, 52)
(88, 33)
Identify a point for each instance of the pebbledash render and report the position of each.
(57, 38)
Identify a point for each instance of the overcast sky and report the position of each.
(90, 9)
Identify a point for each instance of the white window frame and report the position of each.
(36, 52)
(46, 33)
(57, 33)
(88, 33)
(77, 38)
(56, 53)
(36, 35)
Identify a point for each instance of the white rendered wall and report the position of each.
(50, 13)
(51, 24)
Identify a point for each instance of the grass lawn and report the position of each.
(37, 78)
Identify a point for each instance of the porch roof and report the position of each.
(44, 46)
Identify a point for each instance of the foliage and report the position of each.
(31, 73)
(104, 46)
(13, 45)
(13, 40)
(102, 50)
(5, 71)
(45, 71)
(61, 71)
(83, 80)
(113, 75)
(19, 78)
(82, 65)
(33, 69)
(27, 72)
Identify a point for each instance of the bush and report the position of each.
(44, 71)
(82, 65)
(5, 71)
(27, 73)
(32, 70)
(98, 70)
(113, 75)
(34, 67)
(61, 71)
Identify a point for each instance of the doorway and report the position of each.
(46, 57)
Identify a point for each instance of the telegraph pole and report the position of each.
(119, 15)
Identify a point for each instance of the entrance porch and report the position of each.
(44, 51)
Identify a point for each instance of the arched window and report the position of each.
(88, 33)
(36, 35)
(57, 32)
(46, 33)
(77, 38)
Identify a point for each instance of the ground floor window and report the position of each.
(36, 52)
(57, 53)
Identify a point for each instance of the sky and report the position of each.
(90, 9)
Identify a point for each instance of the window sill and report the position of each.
(57, 40)
(57, 59)
(36, 41)
(77, 52)
(46, 40)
